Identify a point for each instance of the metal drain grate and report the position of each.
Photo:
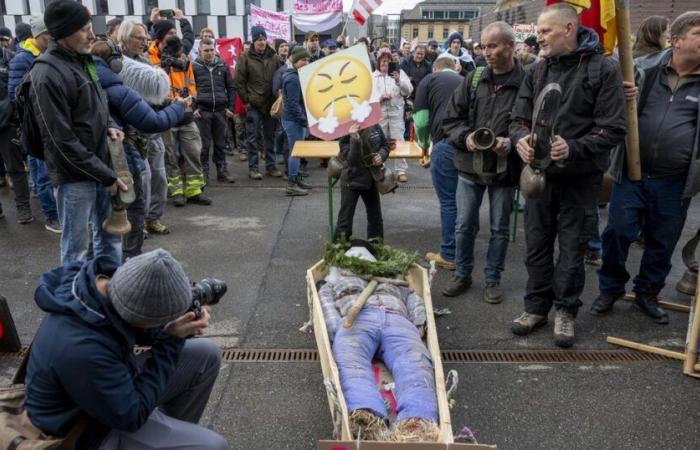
(250, 355)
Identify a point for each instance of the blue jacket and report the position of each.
(294, 110)
(128, 108)
(82, 363)
(19, 66)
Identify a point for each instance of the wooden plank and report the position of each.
(691, 341)
(668, 305)
(328, 149)
(646, 348)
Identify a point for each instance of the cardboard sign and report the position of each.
(337, 93)
(276, 24)
(522, 31)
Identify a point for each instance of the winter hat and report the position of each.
(453, 36)
(23, 31)
(150, 289)
(5, 32)
(257, 32)
(65, 17)
(531, 41)
(36, 23)
(433, 43)
(298, 53)
(161, 28)
(277, 44)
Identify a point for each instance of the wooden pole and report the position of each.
(622, 19)
(645, 348)
(691, 345)
(359, 303)
(668, 305)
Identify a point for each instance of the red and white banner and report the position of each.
(276, 24)
(362, 9)
(317, 15)
(229, 49)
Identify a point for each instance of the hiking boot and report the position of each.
(200, 199)
(294, 190)
(301, 183)
(440, 261)
(457, 286)
(492, 292)
(604, 303)
(155, 227)
(274, 173)
(179, 200)
(563, 328)
(649, 305)
(254, 175)
(54, 226)
(24, 216)
(526, 323)
(403, 178)
(592, 258)
(222, 176)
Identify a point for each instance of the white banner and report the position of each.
(276, 24)
(317, 15)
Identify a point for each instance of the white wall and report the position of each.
(117, 7)
(16, 8)
(234, 27)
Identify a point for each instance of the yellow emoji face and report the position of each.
(333, 81)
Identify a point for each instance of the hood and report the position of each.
(71, 290)
(465, 56)
(107, 76)
(29, 45)
(151, 83)
(588, 42)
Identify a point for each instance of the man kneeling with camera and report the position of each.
(82, 370)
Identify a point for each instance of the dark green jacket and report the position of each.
(254, 73)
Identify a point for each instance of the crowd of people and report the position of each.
(67, 96)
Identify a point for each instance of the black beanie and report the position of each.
(23, 31)
(65, 17)
(161, 28)
(277, 44)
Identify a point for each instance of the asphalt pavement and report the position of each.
(261, 243)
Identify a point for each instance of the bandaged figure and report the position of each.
(385, 328)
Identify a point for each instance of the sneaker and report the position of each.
(222, 176)
(526, 323)
(492, 292)
(649, 305)
(457, 286)
(294, 190)
(155, 227)
(604, 303)
(440, 261)
(301, 183)
(592, 258)
(254, 175)
(54, 226)
(24, 216)
(403, 178)
(179, 200)
(200, 199)
(242, 157)
(274, 173)
(303, 173)
(563, 328)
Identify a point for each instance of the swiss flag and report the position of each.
(229, 49)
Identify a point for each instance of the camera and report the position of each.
(207, 292)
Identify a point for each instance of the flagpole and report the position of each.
(622, 19)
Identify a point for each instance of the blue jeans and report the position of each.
(43, 188)
(396, 341)
(253, 121)
(82, 207)
(595, 244)
(657, 205)
(444, 174)
(469, 197)
(295, 132)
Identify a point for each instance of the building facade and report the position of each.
(436, 19)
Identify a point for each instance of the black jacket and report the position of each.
(470, 109)
(73, 117)
(215, 91)
(356, 173)
(592, 114)
(416, 73)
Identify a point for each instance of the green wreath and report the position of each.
(390, 261)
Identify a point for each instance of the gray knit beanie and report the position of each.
(150, 289)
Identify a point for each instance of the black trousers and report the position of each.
(348, 203)
(14, 164)
(565, 212)
(212, 128)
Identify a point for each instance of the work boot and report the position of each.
(492, 292)
(526, 323)
(440, 261)
(301, 183)
(156, 227)
(274, 173)
(649, 305)
(563, 328)
(200, 199)
(24, 215)
(604, 303)
(54, 226)
(253, 174)
(294, 190)
(179, 200)
(222, 176)
(457, 286)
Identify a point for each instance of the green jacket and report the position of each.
(253, 81)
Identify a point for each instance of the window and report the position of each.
(445, 33)
(280, 5)
(470, 14)
(426, 14)
(150, 4)
(430, 33)
(102, 7)
(461, 30)
(203, 7)
(455, 14)
(232, 7)
(415, 33)
(438, 14)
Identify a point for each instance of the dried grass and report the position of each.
(367, 426)
(414, 430)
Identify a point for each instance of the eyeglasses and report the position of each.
(140, 39)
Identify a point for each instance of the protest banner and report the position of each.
(337, 93)
(317, 15)
(522, 31)
(276, 24)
